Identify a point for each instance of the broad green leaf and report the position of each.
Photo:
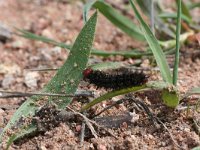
(119, 20)
(112, 94)
(170, 98)
(155, 47)
(68, 76)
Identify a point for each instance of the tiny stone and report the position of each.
(101, 147)
(163, 143)
(56, 50)
(31, 79)
(18, 44)
(5, 34)
(8, 80)
(78, 128)
(186, 129)
(47, 33)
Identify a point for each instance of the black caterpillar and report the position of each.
(119, 80)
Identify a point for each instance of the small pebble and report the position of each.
(31, 79)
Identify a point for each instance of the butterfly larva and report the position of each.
(117, 80)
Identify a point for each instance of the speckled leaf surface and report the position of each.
(68, 76)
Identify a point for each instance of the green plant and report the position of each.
(68, 76)
(65, 81)
(170, 94)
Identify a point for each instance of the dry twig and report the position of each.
(9, 94)
(92, 122)
(170, 134)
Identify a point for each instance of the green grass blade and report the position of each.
(194, 5)
(174, 16)
(119, 20)
(161, 25)
(33, 36)
(126, 53)
(178, 31)
(112, 94)
(106, 65)
(160, 85)
(184, 9)
(193, 91)
(68, 76)
(87, 8)
(24, 132)
(155, 47)
(196, 148)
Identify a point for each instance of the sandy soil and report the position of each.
(62, 21)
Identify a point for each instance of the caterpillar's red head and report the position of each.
(86, 72)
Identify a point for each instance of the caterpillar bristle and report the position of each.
(116, 80)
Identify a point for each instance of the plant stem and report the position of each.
(178, 30)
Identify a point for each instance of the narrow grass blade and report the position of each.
(68, 76)
(196, 148)
(112, 94)
(119, 20)
(33, 36)
(193, 91)
(106, 65)
(160, 24)
(172, 43)
(126, 53)
(174, 16)
(87, 8)
(184, 9)
(160, 85)
(194, 5)
(155, 47)
(26, 131)
(178, 31)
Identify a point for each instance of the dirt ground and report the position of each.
(62, 21)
